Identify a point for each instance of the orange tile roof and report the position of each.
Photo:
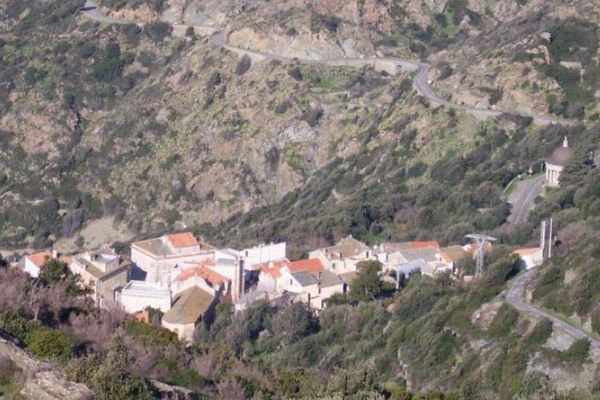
(184, 239)
(420, 245)
(272, 268)
(311, 265)
(39, 259)
(212, 277)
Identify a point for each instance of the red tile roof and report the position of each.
(272, 268)
(420, 245)
(184, 239)
(209, 275)
(311, 265)
(39, 259)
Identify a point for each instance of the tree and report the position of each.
(243, 65)
(116, 378)
(291, 324)
(367, 285)
(55, 272)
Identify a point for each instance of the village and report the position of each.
(185, 278)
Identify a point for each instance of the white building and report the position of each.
(530, 257)
(103, 271)
(33, 263)
(556, 164)
(263, 253)
(389, 254)
(156, 257)
(138, 295)
(343, 256)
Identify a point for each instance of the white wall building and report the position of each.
(343, 256)
(33, 263)
(103, 272)
(137, 295)
(531, 257)
(156, 257)
(263, 253)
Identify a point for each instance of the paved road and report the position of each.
(515, 297)
(93, 12)
(391, 65)
(522, 198)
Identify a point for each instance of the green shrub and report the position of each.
(578, 351)
(540, 333)
(243, 65)
(48, 343)
(504, 321)
(157, 31)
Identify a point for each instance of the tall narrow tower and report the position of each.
(237, 285)
(481, 241)
(543, 237)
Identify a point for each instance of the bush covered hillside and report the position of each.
(200, 135)
(248, 122)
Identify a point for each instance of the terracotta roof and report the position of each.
(390, 247)
(311, 265)
(189, 306)
(212, 277)
(184, 239)
(164, 246)
(421, 245)
(272, 268)
(39, 259)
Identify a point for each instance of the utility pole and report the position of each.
(550, 241)
(481, 241)
(543, 238)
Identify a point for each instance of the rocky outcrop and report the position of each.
(43, 381)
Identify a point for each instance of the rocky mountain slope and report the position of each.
(163, 130)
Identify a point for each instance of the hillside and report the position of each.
(212, 135)
(114, 130)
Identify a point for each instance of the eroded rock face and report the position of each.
(43, 381)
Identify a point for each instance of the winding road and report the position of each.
(391, 65)
(523, 197)
(516, 298)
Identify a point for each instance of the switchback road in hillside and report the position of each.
(392, 65)
(522, 198)
(516, 298)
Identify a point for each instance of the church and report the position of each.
(556, 164)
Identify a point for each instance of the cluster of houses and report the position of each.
(185, 278)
